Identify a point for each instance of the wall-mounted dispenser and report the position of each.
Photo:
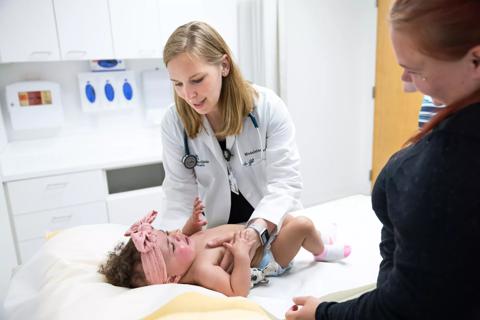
(34, 105)
(102, 91)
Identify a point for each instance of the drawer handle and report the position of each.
(61, 219)
(40, 54)
(56, 186)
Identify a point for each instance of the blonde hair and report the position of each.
(236, 96)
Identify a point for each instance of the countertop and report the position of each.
(60, 155)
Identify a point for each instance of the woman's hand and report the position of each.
(197, 220)
(303, 309)
(227, 261)
(240, 244)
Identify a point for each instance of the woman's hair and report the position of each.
(444, 30)
(124, 267)
(201, 41)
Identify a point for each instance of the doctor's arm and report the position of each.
(180, 185)
(283, 183)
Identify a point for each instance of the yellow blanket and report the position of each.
(209, 308)
(213, 308)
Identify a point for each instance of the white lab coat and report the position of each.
(272, 185)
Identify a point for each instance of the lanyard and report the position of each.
(227, 155)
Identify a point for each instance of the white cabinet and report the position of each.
(220, 14)
(84, 29)
(32, 228)
(56, 191)
(43, 30)
(9, 258)
(128, 207)
(27, 31)
(135, 29)
(41, 205)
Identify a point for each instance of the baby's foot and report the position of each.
(334, 252)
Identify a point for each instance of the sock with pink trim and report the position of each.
(334, 252)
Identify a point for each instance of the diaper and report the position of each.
(268, 267)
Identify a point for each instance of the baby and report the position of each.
(158, 257)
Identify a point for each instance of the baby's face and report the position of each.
(178, 252)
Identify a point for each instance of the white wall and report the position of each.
(327, 63)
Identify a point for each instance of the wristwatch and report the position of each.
(262, 233)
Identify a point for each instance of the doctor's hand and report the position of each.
(227, 260)
(303, 309)
(240, 245)
(196, 220)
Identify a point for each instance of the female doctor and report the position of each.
(225, 141)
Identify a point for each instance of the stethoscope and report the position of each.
(190, 161)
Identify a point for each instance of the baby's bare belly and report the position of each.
(215, 255)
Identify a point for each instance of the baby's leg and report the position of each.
(296, 232)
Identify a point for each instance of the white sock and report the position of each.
(334, 252)
(329, 234)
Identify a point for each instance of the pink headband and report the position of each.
(144, 238)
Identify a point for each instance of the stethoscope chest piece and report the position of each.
(189, 161)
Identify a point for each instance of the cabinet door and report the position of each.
(84, 29)
(220, 14)
(27, 31)
(135, 29)
(128, 207)
(9, 257)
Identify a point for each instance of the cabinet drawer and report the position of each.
(34, 225)
(56, 191)
(129, 207)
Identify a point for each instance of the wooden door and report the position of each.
(396, 112)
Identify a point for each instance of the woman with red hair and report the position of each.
(428, 194)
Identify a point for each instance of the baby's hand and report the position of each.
(240, 245)
(196, 220)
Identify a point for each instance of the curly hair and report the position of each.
(124, 267)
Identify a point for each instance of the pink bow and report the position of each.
(141, 233)
(144, 238)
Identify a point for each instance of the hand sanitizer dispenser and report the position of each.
(34, 105)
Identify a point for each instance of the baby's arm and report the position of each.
(196, 220)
